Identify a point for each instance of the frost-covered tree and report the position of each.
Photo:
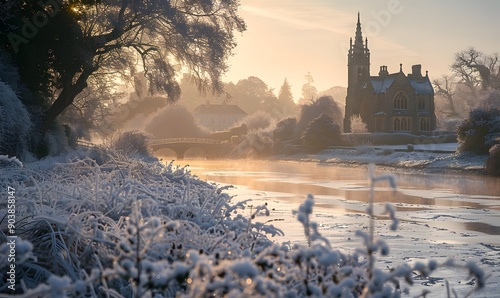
(285, 99)
(284, 129)
(357, 124)
(314, 109)
(309, 91)
(15, 124)
(174, 121)
(474, 68)
(60, 45)
(322, 132)
(256, 121)
(252, 95)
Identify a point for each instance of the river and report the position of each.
(441, 215)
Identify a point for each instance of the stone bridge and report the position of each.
(211, 147)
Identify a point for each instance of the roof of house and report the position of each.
(219, 109)
(381, 84)
(421, 85)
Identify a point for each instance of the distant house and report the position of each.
(388, 102)
(218, 117)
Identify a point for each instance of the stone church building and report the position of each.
(389, 102)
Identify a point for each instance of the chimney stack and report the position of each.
(383, 71)
(417, 70)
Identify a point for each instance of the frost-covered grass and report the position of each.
(109, 226)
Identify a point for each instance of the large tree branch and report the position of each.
(65, 98)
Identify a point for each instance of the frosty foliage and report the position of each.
(480, 131)
(284, 129)
(129, 228)
(174, 121)
(132, 144)
(357, 124)
(257, 120)
(258, 140)
(312, 110)
(322, 132)
(255, 143)
(15, 124)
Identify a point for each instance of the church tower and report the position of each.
(358, 70)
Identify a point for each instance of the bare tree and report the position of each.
(445, 87)
(474, 68)
(309, 91)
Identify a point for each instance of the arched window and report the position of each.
(400, 101)
(421, 104)
(424, 124)
(397, 124)
(404, 124)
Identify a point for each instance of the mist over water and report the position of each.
(440, 199)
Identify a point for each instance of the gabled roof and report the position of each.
(421, 85)
(219, 109)
(381, 84)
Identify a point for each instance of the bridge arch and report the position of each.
(182, 145)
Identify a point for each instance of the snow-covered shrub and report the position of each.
(493, 161)
(478, 133)
(309, 112)
(56, 140)
(132, 143)
(357, 124)
(284, 129)
(257, 120)
(115, 228)
(255, 143)
(322, 132)
(9, 74)
(15, 124)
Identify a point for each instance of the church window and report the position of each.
(400, 101)
(425, 124)
(397, 124)
(402, 124)
(421, 104)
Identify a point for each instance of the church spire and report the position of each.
(358, 40)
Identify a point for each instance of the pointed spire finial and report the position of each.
(358, 40)
(400, 67)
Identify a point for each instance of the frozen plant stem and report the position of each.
(137, 249)
(374, 179)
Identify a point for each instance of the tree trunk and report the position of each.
(65, 99)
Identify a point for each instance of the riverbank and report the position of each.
(439, 158)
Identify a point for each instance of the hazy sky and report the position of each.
(288, 38)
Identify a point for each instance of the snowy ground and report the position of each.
(427, 157)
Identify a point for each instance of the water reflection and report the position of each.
(416, 191)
